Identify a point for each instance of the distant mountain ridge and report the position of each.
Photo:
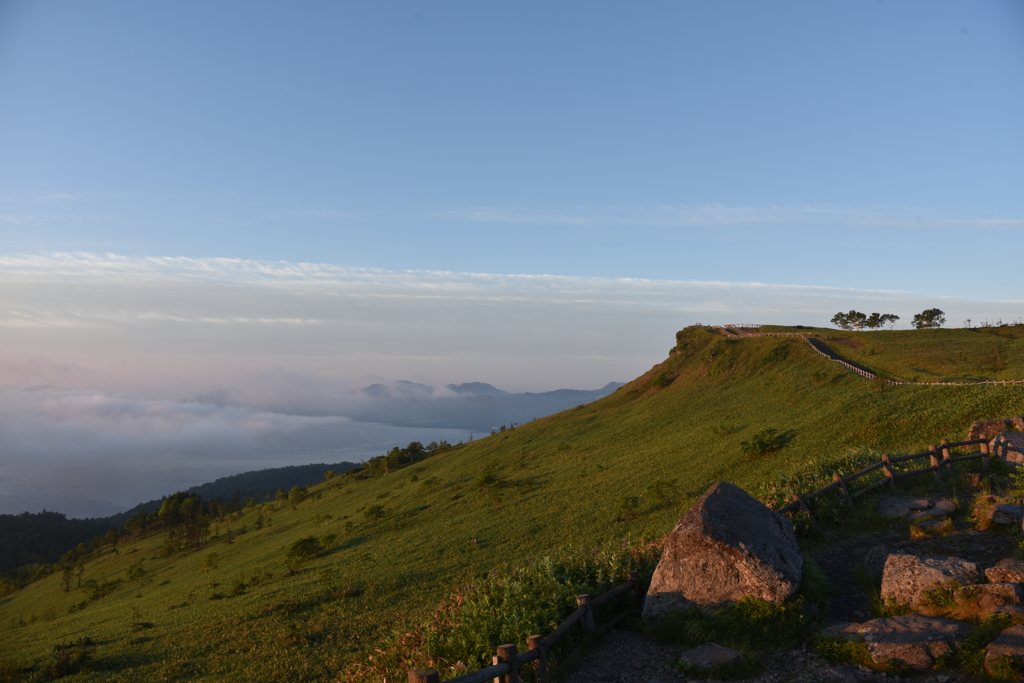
(43, 537)
(476, 406)
(472, 406)
(255, 484)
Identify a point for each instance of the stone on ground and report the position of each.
(1005, 513)
(913, 640)
(726, 547)
(906, 577)
(901, 506)
(989, 429)
(1010, 643)
(1006, 571)
(989, 596)
(1013, 442)
(710, 655)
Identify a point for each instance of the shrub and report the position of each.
(764, 442)
(628, 508)
(374, 512)
(69, 658)
(303, 550)
(297, 495)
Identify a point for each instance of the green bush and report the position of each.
(764, 442)
(304, 550)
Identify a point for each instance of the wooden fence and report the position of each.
(941, 458)
(507, 660)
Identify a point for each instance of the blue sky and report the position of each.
(293, 200)
(772, 142)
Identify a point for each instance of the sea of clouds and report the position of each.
(126, 378)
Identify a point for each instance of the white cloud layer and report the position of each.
(126, 339)
(93, 454)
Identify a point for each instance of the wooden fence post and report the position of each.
(810, 517)
(887, 466)
(984, 449)
(935, 463)
(507, 653)
(588, 618)
(845, 491)
(540, 665)
(423, 676)
(634, 576)
(946, 457)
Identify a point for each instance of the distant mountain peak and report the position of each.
(477, 389)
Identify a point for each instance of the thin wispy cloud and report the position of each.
(280, 351)
(723, 215)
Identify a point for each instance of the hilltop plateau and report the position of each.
(400, 535)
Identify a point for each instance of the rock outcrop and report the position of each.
(1009, 446)
(1005, 513)
(1009, 644)
(988, 429)
(989, 596)
(907, 577)
(1006, 571)
(726, 547)
(913, 640)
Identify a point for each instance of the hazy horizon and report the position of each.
(285, 204)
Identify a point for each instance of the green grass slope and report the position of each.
(987, 353)
(623, 466)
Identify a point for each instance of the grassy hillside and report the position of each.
(988, 353)
(623, 466)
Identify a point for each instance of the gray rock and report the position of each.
(988, 429)
(1005, 513)
(947, 505)
(710, 655)
(874, 561)
(914, 640)
(726, 547)
(901, 506)
(906, 577)
(1006, 571)
(930, 522)
(837, 629)
(1009, 643)
(925, 514)
(988, 596)
(1015, 611)
(1009, 446)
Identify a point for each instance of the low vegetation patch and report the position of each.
(508, 606)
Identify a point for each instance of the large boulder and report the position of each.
(726, 547)
(907, 577)
(913, 640)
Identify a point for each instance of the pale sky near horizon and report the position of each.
(308, 197)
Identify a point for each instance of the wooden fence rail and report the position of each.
(941, 461)
(507, 660)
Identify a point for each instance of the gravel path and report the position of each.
(628, 657)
